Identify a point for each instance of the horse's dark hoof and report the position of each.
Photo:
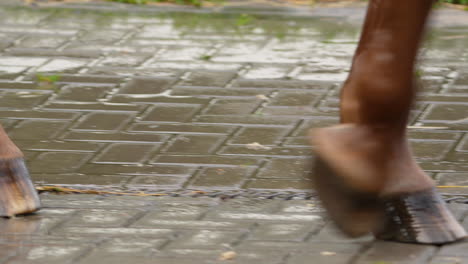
(420, 217)
(354, 212)
(17, 193)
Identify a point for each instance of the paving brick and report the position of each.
(126, 153)
(113, 137)
(278, 184)
(460, 179)
(98, 259)
(286, 169)
(298, 207)
(147, 85)
(79, 146)
(82, 93)
(396, 253)
(295, 99)
(34, 225)
(64, 65)
(267, 151)
(446, 112)
(48, 254)
(85, 180)
(101, 218)
(181, 128)
(128, 169)
(42, 129)
(29, 114)
(154, 221)
(207, 239)
(83, 78)
(208, 160)
(246, 120)
(155, 182)
(326, 252)
(103, 121)
(125, 247)
(42, 42)
(58, 162)
(22, 100)
(289, 218)
(288, 232)
(208, 78)
(262, 135)
(171, 112)
(216, 92)
(455, 250)
(113, 231)
(283, 84)
(62, 105)
(448, 260)
(124, 60)
(463, 144)
(232, 107)
(221, 177)
(329, 233)
(195, 144)
(433, 150)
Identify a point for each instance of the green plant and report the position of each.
(197, 3)
(460, 2)
(48, 78)
(244, 19)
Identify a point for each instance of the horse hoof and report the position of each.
(17, 193)
(420, 217)
(354, 212)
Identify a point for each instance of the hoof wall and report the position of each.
(354, 212)
(420, 217)
(17, 195)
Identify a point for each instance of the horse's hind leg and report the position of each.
(366, 174)
(17, 193)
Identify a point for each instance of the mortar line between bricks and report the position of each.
(323, 97)
(255, 172)
(61, 223)
(291, 131)
(153, 153)
(363, 249)
(89, 250)
(190, 179)
(454, 145)
(226, 140)
(433, 254)
(286, 258)
(137, 217)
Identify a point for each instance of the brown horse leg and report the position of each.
(17, 193)
(367, 158)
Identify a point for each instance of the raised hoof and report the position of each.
(421, 217)
(17, 193)
(354, 212)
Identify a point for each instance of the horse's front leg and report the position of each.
(17, 193)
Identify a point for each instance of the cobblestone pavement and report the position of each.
(92, 229)
(177, 101)
(212, 102)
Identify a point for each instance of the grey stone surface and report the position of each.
(162, 92)
(123, 229)
(161, 102)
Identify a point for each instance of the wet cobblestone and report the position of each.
(100, 229)
(143, 91)
(170, 103)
